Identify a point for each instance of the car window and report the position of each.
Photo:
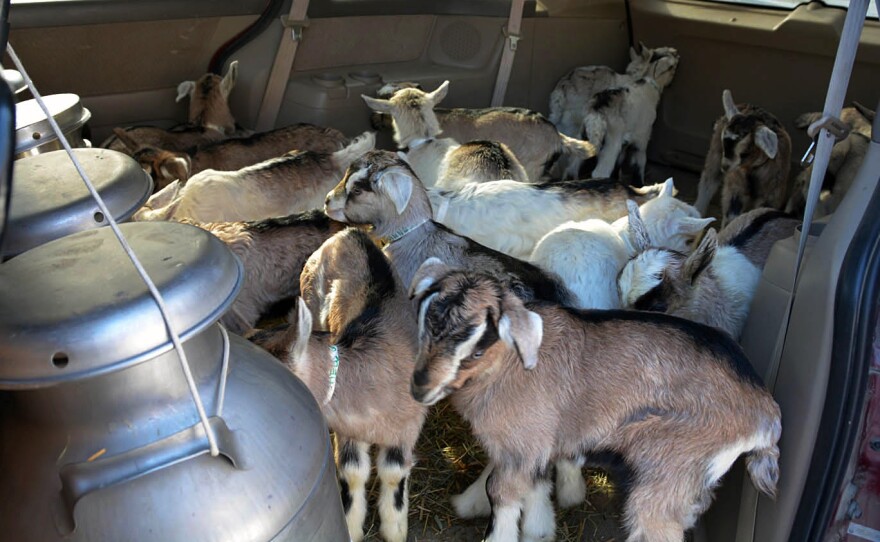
(791, 4)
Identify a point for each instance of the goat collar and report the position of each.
(402, 232)
(334, 357)
(654, 84)
(418, 143)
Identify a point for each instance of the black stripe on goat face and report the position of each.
(451, 345)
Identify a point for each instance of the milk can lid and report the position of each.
(75, 307)
(49, 199)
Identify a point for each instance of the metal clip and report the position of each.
(836, 128)
(296, 27)
(512, 39)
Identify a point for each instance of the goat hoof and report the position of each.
(395, 532)
(473, 503)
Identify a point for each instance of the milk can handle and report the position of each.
(80, 479)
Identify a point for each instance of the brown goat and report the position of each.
(676, 401)
(273, 252)
(238, 153)
(360, 374)
(209, 118)
(749, 157)
(846, 159)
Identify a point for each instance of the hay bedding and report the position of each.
(449, 459)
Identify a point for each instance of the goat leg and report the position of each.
(353, 465)
(393, 465)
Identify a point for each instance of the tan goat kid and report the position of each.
(359, 372)
(677, 401)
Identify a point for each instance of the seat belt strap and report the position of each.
(512, 37)
(291, 35)
(840, 75)
(843, 64)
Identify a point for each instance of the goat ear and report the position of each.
(521, 329)
(438, 95)
(398, 186)
(668, 190)
(175, 167)
(633, 54)
(229, 79)
(426, 275)
(377, 104)
(866, 112)
(644, 51)
(637, 229)
(164, 196)
(700, 258)
(767, 140)
(730, 108)
(185, 89)
(303, 332)
(692, 226)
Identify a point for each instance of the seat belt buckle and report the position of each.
(295, 26)
(512, 39)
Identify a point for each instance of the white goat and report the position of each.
(677, 401)
(569, 99)
(512, 217)
(618, 121)
(589, 255)
(278, 187)
(534, 141)
(443, 161)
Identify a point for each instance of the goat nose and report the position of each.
(417, 392)
(420, 377)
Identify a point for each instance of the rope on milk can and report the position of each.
(224, 371)
(160, 302)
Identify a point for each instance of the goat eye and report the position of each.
(356, 191)
(477, 354)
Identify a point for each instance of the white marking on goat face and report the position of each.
(423, 310)
(642, 274)
(354, 178)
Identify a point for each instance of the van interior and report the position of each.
(125, 59)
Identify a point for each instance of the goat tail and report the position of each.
(577, 148)
(763, 463)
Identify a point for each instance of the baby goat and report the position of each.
(512, 217)
(846, 159)
(619, 120)
(281, 186)
(360, 374)
(589, 255)
(532, 138)
(749, 157)
(381, 190)
(232, 154)
(569, 99)
(677, 401)
(443, 161)
(209, 117)
(715, 284)
(273, 252)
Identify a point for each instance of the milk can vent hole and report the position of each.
(60, 360)
(99, 217)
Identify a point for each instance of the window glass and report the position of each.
(791, 4)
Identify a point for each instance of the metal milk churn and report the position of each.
(99, 436)
(50, 200)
